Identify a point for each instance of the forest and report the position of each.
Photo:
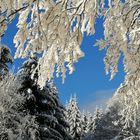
(48, 39)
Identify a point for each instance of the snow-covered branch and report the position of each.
(51, 28)
(121, 32)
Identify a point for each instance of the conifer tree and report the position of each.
(93, 125)
(90, 123)
(106, 126)
(96, 119)
(74, 119)
(87, 124)
(84, 122)
(5, 58)
(43, 104)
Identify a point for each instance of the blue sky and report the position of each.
(89, 81)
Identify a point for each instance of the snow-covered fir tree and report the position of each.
(43, 104)
(87, 124)
(5, 58)
(85, 121)
(74, 119)
(95, 120)
(93, 124)
(90, 124)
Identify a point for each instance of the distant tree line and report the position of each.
(107, 125)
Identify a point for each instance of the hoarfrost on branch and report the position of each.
(121, 36)
(52, 28)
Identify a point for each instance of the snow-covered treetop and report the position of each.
(55, 28)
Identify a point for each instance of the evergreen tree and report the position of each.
(96, 120)
(43, 103)
(104, 126)
(5, 58)
(93, 124)
(74, 119)
(90, 123)
(85, 122)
